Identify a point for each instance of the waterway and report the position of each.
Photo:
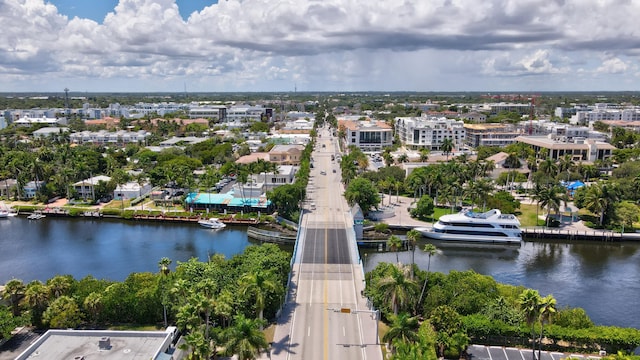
(602, 278)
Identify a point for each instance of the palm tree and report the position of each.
(431, 250)
(93, 305)
(163, 265)
(403, 328)
(58, 285)
(548, 167)
(446, 146)
(600, 198)
(547, 309)
(550, 198)
(37, 296)
(13, 292)
(200, 346)
(403, 158)
(397, 288)
(260, 284)
(245, 338)
(424, 155)
(530, 304)
(394, 244)
(413, 236)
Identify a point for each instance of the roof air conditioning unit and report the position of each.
(104, 343)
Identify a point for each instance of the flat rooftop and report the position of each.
(69, 344)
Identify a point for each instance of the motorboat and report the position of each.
(6, 212)
(467, 226)
(36, 216)
(212, 223)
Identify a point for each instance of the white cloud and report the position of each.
(319, 45)
(613, 66)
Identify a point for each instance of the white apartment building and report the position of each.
(367, 135)
(429, 133)
(109, 137)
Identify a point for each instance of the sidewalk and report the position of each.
(402, 217)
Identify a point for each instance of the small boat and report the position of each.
(6, 212)
(212, 223)
(36, 216)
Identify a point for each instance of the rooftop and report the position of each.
(69, 344)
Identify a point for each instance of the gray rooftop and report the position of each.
(69, 344)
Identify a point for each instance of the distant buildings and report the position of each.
(104, 137)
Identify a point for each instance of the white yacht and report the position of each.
(488, 227)
(212, 223)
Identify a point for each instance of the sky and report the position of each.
(319, 45)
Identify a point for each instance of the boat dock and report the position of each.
(573, 234)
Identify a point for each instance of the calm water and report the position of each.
(604, 279)
(104, 248)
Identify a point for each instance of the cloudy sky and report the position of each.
(319, 45)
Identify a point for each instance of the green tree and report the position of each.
(13, 293)
(63, 313)
(244, 338)
(448, 326)
(600, 198)
(430, 250)
(547, 309)
(36, 296)
(258, 284)
(394, 244)
(529, 301)
(362, 192)
(403, 328)
(423, 349)
(446, 146)
(424, 208)
(398, 289)
(201, 348)
(627, 213)
(93, 306)
(163, 266)
(413, 236)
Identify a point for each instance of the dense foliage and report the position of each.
(202, 298)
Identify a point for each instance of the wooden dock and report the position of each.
(587, 235)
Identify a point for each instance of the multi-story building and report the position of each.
(248, 114)
(286, 154)
(490, 134)
(109, 137)
(367, 134)
(429, 133)
(85, 188)
(213, 112)
(580, 149)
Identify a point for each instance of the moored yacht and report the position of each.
(489, 227)
(212, 223)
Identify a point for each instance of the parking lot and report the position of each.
(481, 352)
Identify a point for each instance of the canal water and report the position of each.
(602, 278)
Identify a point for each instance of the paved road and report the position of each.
(326, 317)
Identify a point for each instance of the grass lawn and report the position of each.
(135, 327)
(527, 215)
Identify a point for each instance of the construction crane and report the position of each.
(532, 105)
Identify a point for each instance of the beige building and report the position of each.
(490, 134)
(286, 154)
(588, 150)
(367, 135)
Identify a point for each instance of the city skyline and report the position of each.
(311, 45)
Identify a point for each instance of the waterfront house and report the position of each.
(86, 188)
(131, 190)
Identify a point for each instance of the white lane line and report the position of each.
(344, 333)
(308, 331)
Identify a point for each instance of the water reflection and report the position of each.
(599, 277)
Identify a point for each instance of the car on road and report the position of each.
(334, 170)
(323, 172)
